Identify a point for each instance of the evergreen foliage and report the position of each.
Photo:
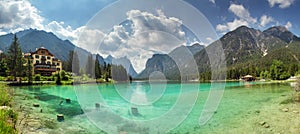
(15, 59)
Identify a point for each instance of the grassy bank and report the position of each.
(8, 116)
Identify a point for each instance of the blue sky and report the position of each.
(155, 26)
(78, 13)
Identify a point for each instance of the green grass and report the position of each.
(8, 117)
(287, 101)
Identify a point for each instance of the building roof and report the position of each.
(248, 76)
(42, 48)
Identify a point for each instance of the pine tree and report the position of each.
(3, 65)
(58, 80)
(29, 70)
(15, 59)
(97, 68)
(72, 65)
(75, 64)
(90, 66)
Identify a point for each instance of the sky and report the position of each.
(146, 27)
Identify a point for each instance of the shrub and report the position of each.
(58, 79)
(24, 78)
(2, 78)
(8, 117)
(65, 78)
(5, 98)
(5, 117)
(10, 78)
(37, 77)
(84, 77)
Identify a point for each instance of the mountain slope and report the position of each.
(241, 46)
(124, 61)
(173, 64)
(31, 39)
(282, 33)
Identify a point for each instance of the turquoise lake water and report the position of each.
(172, 107)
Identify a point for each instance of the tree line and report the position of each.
(94, 69)
(14, 64)
(278, 70)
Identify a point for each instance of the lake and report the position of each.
(157, 107)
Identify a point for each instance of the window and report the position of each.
(58, 69)
(37, 56)
(43, 57)
(48, 58)
(57, 64)
(48, 62)
(43, 52)
(37, 62)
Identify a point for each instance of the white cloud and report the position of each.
(115, 39)
(243, 19)
(288, 25)
(282, 3)
(242, 13)
(86, 38)
(229, 26)
(209, 40)
(16, 16)
(2, 33)
(212, 1)
(149, 34)
(146, 22)
(264, 20)
(19, 15)
(58, 29)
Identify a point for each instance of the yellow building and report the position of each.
(44, 62)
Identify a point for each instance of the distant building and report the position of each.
(44, 62)
(248, 78)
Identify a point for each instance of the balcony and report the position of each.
(44, 67)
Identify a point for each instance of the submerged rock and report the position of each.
(285, 110)
(60, 117)
(68, 100)
(266, 126)
(5, 108)
(97, 105)
(262, 123)
(34, 125)
(36, 105)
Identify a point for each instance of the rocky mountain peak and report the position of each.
(282, 33)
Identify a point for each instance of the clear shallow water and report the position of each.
(156, 103)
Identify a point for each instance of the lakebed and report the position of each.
(244, 108)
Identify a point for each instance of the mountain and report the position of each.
(250, 51)
(172, 64)
(242, 47)
(161, 63)
(282, 33)
(31, 39)
(124, 61)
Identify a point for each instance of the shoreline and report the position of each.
(32, 120)
(47, 83)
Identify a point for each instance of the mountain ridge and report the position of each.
(240, 46)
(31, 39)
